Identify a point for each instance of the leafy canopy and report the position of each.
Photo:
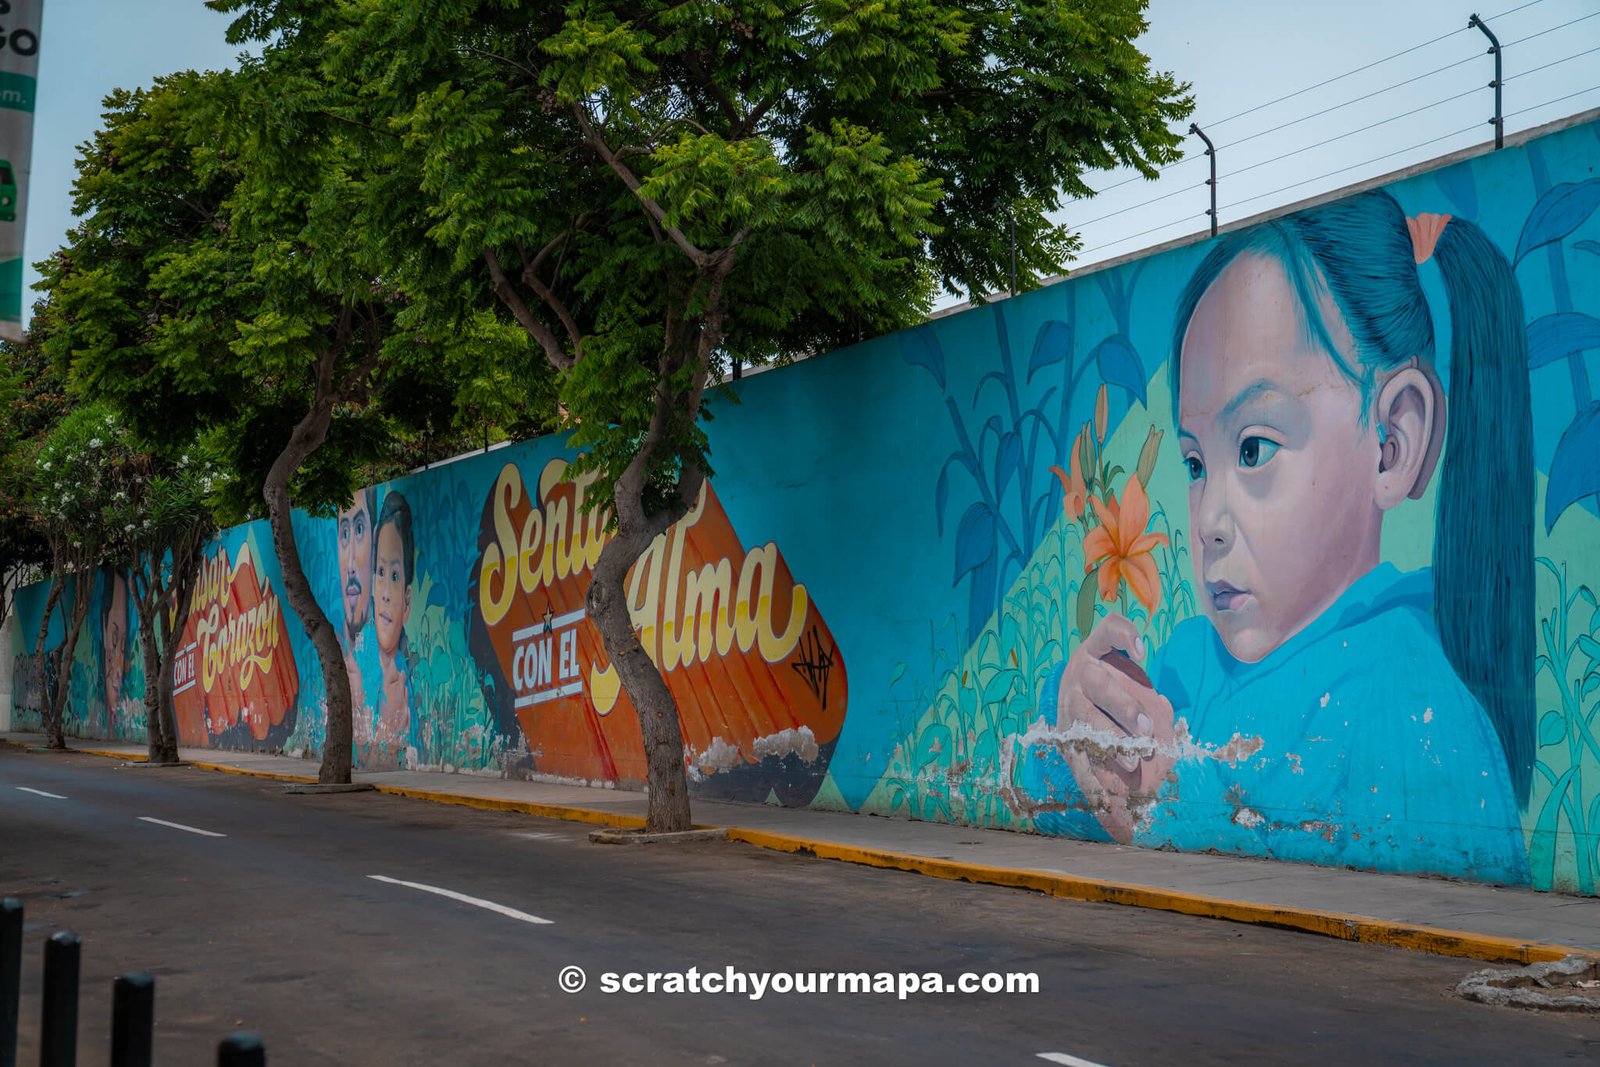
(777, 176)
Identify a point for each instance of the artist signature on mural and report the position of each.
(815, 664)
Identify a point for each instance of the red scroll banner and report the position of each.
(234, 668)
(759, 683)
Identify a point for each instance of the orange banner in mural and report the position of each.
(234, 667)
(750, 662)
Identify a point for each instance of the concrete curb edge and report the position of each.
(1344, 927)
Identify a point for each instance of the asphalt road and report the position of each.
(278, 926)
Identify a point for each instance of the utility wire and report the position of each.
(1557, 100)
(1318, 114)
(1369, 66)
(1140, 204)
(1352, 133)
(1141, 177)
(1354, 166)
(1547, 66)
(1319, 144)
(1336, 137)
(1296, 185)
(1300, 92)
(1141, 233)
(1275, 159)
(1553, 29)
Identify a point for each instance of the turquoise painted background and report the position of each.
(907, 483)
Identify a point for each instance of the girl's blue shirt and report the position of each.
(1353, 744)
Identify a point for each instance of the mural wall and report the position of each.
(1283, 544)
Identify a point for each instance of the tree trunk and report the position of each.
(82, 590)
(154, 728)
(170, 615)
(307, 437)
(667, 810)
(40, 657)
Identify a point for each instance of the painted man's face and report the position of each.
(1282, 467)
(355, 564)
(115, 641)
(390, 595)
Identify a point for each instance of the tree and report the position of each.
(32, 394)
(654, 189)
(158, 518)
(222, 284)
(71, 484)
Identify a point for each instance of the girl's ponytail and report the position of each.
(1483, 542)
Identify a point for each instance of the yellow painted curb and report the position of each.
(564, 812)
(106, 753)
(1345, 927)
(1360, 928)
(249, 772)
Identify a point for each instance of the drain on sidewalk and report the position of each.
(1570, 984)
(642, 837)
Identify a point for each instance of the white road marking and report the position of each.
(180, 826)
(541, 836)
(41, 792)
(1066, 1060)
(487, 905)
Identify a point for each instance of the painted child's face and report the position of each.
(355, 564)
(115, 640)
(391, 597)
(1282, 470)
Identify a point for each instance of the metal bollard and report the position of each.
(133, 1019)
(241, 1050)
(58, 1036)
(10, 978)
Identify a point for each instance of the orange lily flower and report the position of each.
(1121, 547)
(1073, 490)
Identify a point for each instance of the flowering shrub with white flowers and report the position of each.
(102, 500)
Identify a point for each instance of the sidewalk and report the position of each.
(1425, 914)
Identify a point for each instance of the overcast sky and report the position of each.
(1239, 54)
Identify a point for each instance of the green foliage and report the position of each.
(228, 241)
(35, 400)
(655, 189)
(1567, 674)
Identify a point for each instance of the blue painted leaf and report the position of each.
(997, 375)
(1006, 461)
(974, 539)
(1052, 345)
(1591, 247)
(1120, 365)
(920, 348)
(898, 673)
(1456, 183)
(998, 687)
(941, 495)
(1552, 728)
(1575, 470)
(1560, 211)
(1590, 646)
(1034, 513)
(1553, 336)
(981, 594)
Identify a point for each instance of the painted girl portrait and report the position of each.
(355, 556)
(115, 628)
(1327, 706)
(393, 568)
